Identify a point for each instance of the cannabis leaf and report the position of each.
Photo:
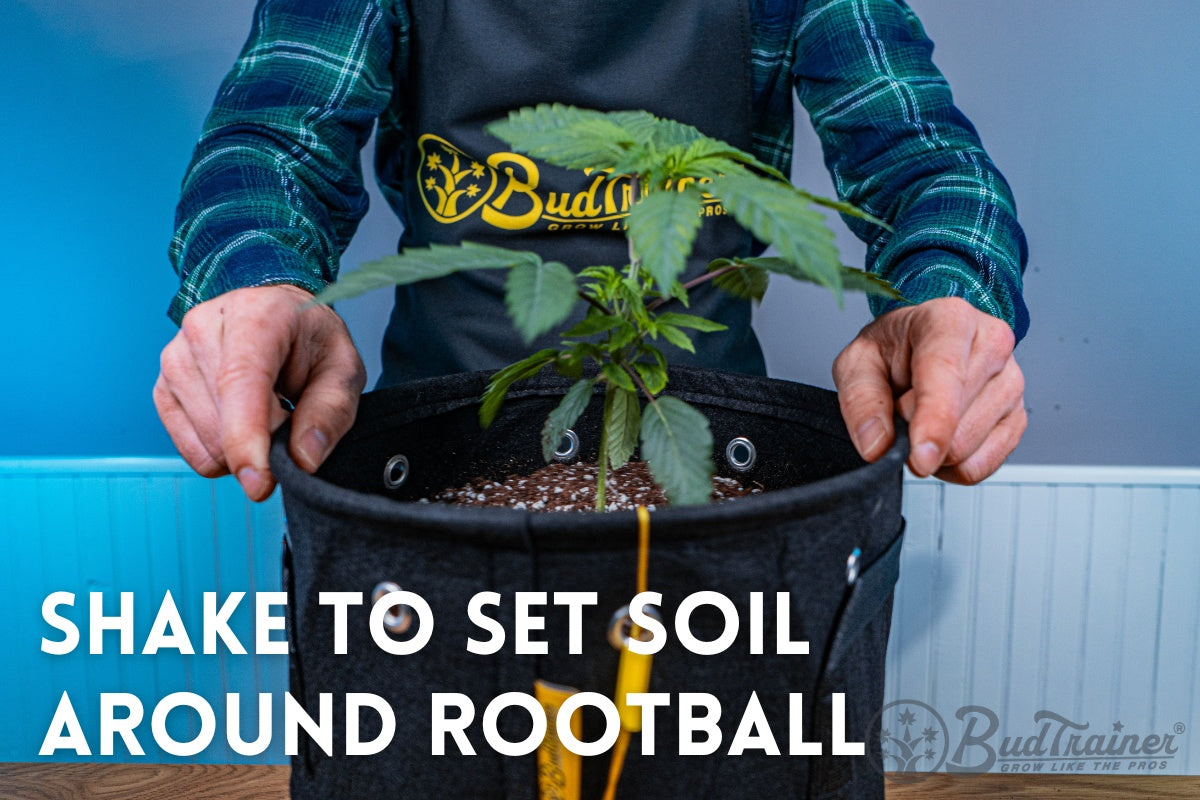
(565, 415)
(774, 213)
(677, 444)
(624, 421)
(747, 277)
(423, 263)
(663, 227)
(500, 382)
(565, 136)
(740, 278)
(711, 158)
(539, 297)
(690, 321)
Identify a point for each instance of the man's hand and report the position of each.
(951, 367)
(216, 391)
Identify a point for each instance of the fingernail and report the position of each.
(869, 435)
(252, 481)
(925, 458)
(313, 447)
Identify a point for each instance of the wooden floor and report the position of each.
(196, 782)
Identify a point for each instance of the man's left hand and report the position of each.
(948, 368)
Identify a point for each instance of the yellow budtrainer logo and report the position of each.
(453, 185)
(504, 190)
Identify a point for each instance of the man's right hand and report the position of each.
(221, 376)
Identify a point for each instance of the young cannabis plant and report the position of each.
(673, 169)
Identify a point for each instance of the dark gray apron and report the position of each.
(471, 63)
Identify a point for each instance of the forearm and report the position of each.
(898, 148)
(275, 189)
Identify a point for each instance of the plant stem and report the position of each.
(635, 263)
(694, 282)
(637, 379)
(594, 303)
(610, 392)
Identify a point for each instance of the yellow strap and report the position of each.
(560, 771)
(614, 767)
(633, 672)
(643, 567)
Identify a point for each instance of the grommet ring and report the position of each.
(397, 619)
(621, 624)
(741, 454)
(568, 448)
(395, 472)
(852, 566)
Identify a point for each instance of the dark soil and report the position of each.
(572, 487)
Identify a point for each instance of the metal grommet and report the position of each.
(852, 565)
(397, 619)
(395, 473)
(621, 624)
(741, 454)
(568, 448)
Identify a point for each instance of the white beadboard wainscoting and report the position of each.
(1061, 601)
(1057, 608)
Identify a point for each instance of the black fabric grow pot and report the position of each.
(349, 532)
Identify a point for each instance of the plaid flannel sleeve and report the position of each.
(898, 148)
(275, 189)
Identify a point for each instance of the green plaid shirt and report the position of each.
(275, 191)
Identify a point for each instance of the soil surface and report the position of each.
(572, 487)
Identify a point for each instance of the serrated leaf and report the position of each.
(630, 293)
(663, 227)
(637, 160)
(500, 382)
(777, 215)
(680, 293)
(677, 337)
(690, 321)
(566, 136)
(622, 338)
(605, 274)
(595, 322)
(842, 208)
(423, 263)
(569, 364)
(539, 297)
(621, 427)
(853, 280)
(654, 375)
(618, 377)
(670, 133)
(861, 281)
(708, 158)
(640, 125)
(748, 282)
(565, 415)
(570, 361)
(677, 444)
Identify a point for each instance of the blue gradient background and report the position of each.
(1087, 108)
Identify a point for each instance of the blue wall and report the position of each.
(101, 107)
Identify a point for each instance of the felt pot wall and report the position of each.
(352, 529)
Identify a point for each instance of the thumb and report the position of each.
(328, 404)
(861, 375)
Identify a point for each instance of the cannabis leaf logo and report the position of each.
(453, 184)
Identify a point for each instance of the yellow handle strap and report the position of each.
(633, 672)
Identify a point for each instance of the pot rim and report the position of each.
(588, 530)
